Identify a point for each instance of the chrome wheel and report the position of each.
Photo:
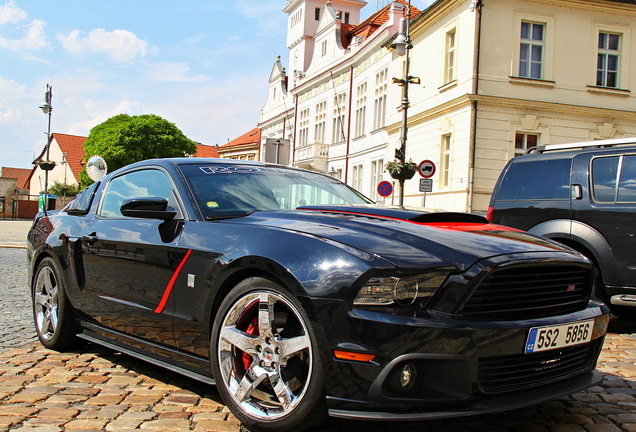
(52, 311)
(45, 303)
(265, 355)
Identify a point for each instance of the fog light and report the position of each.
(409, 376)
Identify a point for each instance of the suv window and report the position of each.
(545, 179)
(606, 171)
(627, 185)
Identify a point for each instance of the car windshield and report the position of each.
(225, 190)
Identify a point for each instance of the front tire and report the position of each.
(52, 311)
(265, 359)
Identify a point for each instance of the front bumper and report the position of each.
(483, 406)
(463, 367)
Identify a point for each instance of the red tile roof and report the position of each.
(206, 151)
(22, 174)
(371, 24)
(73, 146)
(251, 138)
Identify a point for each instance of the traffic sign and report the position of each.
(426, 185)
(426, 168)
(385, 188)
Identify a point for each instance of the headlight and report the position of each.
(382, 291)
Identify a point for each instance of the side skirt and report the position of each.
(156, 354)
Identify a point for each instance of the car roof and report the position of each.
(568, 154)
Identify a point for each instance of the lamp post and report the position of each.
(47, 165)
(402, 45)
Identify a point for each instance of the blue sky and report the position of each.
(202, 65)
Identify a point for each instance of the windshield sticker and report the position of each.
(239, 169)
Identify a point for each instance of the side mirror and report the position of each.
(148, 208)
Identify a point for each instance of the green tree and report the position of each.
(62, 189)
(124, 139)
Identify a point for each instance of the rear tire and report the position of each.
(52, 312)
(265, 359)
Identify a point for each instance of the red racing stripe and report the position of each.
(168, 290)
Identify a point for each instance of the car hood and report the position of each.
(407, 238)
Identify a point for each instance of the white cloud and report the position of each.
(10, 13)
(119, 45)
(13, 95)
(34, 39)
(98, 115)
(173, 72)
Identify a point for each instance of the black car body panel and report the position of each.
(154, 287)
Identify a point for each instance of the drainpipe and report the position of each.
(293, 158)
(475, 7)
(346, 175)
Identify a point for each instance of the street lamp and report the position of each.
(46, 164)
(402, 45)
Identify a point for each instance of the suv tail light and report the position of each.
(491, 209)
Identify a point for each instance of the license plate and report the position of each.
(559, 336)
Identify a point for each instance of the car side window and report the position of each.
(604, 174)
(82, 202)
(136, 184)
(545, 179)
(627, 185)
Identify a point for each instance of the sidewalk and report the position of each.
(13, 233)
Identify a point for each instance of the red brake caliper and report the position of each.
(252, 330)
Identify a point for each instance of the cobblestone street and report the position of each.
(15, 309)
(97, 389)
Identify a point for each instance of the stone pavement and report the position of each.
(13, 233)
(97, 389)
(93, 388)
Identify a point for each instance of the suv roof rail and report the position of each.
(582, 145)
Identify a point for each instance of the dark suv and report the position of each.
(584, 196)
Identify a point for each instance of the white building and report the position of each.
(496, 79)
(332, 104)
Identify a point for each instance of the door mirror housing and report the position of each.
(148, 208)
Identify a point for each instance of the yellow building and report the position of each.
(508, 75)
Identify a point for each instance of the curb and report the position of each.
(12, 246)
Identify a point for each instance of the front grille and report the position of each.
(530, 291)
(501, 374)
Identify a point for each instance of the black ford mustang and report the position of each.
(298, 297)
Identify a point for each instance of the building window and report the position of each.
(303, 128)
(361, 109)
(324, 48)
(524, 141)
(449, 69)
(531, 50)
(346, 16)
(608, 57)
(379, 104)
(447, 157)
(339, 117)
(377, 169)
(357, 177)
(321, 119)
(317, 14)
